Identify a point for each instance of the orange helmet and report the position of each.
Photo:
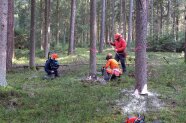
(117, 35)
(54, 56)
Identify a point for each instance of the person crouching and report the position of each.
(52, 65)
(111, 70)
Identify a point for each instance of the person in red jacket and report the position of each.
(120, 46)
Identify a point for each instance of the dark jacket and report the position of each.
(51, 65)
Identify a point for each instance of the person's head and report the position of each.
(109, 56)
(54, 56)
(117, 36)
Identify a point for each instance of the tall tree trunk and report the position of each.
(113, 19)
(124, 18)
(57, 22)
(10, 35)
(130, 25)
(46, 31)
(93, 37)
(120, 17)
(177, 19)
(152, 18)
(102, 27)
(49, 24)
(168, 16)
(42, 22)
(140, 54)
(72, 27)
(3, 40)
(32, 36)
(185, 35)
(161, 18)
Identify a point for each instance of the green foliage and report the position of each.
(165, 43)
(21, 39)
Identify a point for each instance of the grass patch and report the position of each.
(30, 99)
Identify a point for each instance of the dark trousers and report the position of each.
(106, 75)
(121, 58)
(55, 73)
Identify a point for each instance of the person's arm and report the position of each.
(112, 43)
(107, 64)
(47, 66)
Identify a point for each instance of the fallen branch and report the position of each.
(62, 65)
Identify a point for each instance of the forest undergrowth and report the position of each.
(30, 99)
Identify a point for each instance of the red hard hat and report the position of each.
(131, 120)
(54, 56)
(117, 35)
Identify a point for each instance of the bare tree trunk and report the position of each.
(152, 18)
(130, 25)
(185, 36)
(32, 36)
(140, 54)
(93, 37)
(120, 17)
(49, 24)
(42, 22)
(161, 18)
(102, 27)
(168, 16)
(10, 35)
(57, 22)
(3, 40)
(113, 19)
(177, 19)
(124, 18)
(46, 31)
(72, 27)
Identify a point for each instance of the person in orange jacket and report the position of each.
(120, 46)
(111, 69)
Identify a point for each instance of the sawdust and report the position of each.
(129, 103)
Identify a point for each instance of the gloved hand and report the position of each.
(115, 50)
(52, 71)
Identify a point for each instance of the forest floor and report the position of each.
(31, 99)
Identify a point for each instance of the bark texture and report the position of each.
(140, 54)
(72, 27)
(10, 35)
(93, 37)
(32, 36)
(3, 40)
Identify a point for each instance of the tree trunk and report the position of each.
(161, 18)
(124, 18)
(185, 35)
(113, 19)
(177, 19)
(10, 35)
(130, 25)
(140, 54)
(49, 24)
(32, 36)
(102, 27)
(57, 22)
(72, 27)
(120, 17)
(42, 22)
(152, 18)
(93, 38)
(46, 43)
(3, 40)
